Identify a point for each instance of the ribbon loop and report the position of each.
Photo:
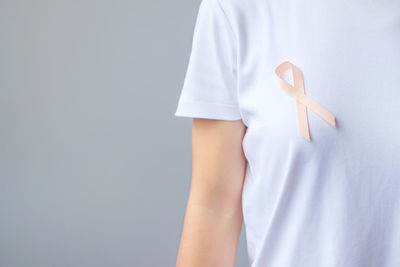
(302, 100)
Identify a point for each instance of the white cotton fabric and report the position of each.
(333, 201)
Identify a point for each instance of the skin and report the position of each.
(213, 217)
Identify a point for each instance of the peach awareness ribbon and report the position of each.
(302, 100)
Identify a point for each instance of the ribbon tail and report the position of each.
(302, 120)
(315, 107)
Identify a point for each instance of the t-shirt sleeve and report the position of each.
(210, 85)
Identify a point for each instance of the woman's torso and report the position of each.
(333, 201)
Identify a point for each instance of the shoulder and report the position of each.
(242, 13)
(243, 9)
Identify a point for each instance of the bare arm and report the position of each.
(213, 217)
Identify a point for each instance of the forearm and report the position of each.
(210, 234)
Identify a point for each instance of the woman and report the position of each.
(296, 129)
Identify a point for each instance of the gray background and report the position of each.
(94, 167)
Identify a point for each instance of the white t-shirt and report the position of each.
(334, 200)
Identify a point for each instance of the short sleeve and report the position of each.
(210, 85)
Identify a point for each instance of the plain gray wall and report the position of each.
(94, 167)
